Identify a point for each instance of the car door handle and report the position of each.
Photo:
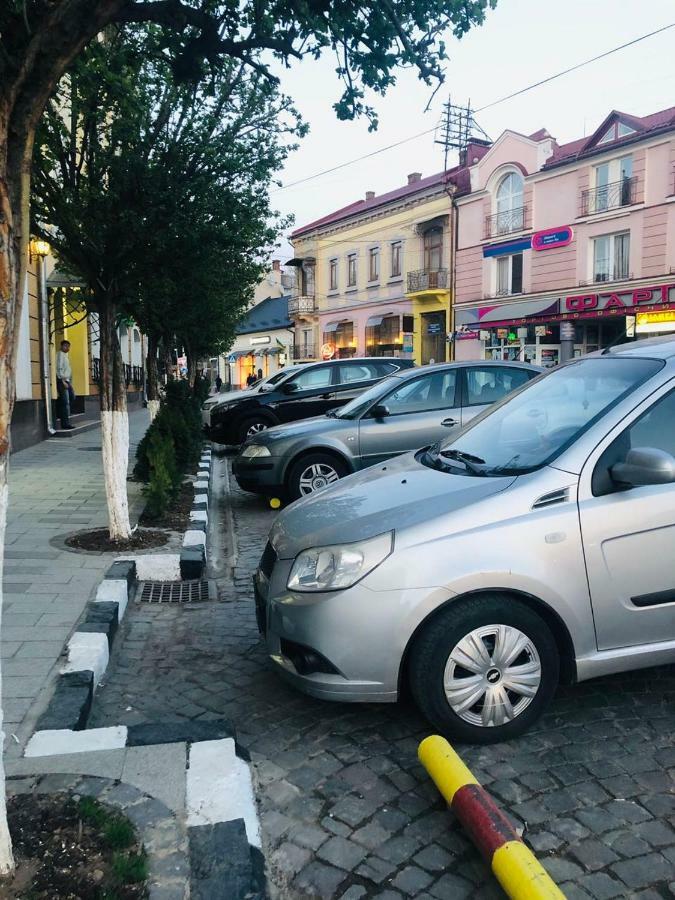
(449, 422)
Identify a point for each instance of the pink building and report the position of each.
(561, 249)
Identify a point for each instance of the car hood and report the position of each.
(304, 428)
(393, 496)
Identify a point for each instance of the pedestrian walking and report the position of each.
(218, 383)
(260, 375)
(64, 385)
(251, 380)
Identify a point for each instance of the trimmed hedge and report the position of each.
(170, 447)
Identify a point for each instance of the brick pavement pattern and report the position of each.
(55, 488)
(346, 810)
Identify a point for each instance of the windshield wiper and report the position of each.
(468, 459)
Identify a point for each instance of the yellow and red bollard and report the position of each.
(514, 865)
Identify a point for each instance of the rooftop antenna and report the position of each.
(456, 128)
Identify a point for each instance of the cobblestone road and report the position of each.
(346, 810)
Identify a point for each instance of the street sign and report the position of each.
(231, 358)
(327, 351)
(552, 237)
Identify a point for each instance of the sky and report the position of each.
(521, 42)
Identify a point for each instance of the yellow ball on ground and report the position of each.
(275, 502)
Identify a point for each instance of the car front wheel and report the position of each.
(314, 472)
(484, 670)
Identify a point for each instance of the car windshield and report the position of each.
(273, 380)
(360, 404)
(532, 427)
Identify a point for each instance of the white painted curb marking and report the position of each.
(199, 515)
(201, 485)
(219, 787)
(87, 650)
(63, 740)
(157, 567)
(113, 590)
(194, 538)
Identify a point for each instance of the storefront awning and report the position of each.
(497, 314)
(299, 261)
(373, 321)
(272, 351)
(330, 327)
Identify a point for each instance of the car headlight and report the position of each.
(255, 451)
(338, 567)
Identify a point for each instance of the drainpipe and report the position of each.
(44, 323)
(454, 212)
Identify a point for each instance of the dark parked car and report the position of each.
(311, 391)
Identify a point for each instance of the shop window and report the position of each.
(341, 336)
(383, 335)
(374, 264)
(351, 270)
(333, 275)
(433, 249)
(611, 257)
(509, 275)
(396, 259)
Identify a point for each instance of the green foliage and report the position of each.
(118, 832)
(163, 473)
(130, 868)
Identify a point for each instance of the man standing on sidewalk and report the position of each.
(64, 375)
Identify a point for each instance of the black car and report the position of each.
(301, 393)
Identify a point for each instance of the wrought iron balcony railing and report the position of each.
(608, 196)
(301, 305)
(302, 351)
(427, 280)
(506, 222)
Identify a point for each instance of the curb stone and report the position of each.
(222, 857)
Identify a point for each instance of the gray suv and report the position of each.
(536, 546)
(401, 413)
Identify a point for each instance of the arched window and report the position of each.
(510, 211)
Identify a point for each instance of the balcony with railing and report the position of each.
(427, 280)
(508, 221)
(302, 305)
(608, 196)
(304, 351)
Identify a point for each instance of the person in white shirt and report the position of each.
(64, 376)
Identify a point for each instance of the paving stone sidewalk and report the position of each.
(346, 810)
(55, 487)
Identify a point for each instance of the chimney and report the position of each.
(414, 176)
(370, 195)
(276, 265)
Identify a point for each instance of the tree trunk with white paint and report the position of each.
(152, 383)
(114, 423)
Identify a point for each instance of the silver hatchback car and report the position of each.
(536, 546)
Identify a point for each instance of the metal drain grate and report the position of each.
(175, 591)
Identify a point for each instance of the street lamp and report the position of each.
(40, 250)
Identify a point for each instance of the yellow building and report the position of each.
(52, 311)
(374, 277)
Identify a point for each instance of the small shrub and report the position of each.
(130, 868)
(118, 833)
(91, 812)
(164, 477)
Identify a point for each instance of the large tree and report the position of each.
(156, 193)
(39, 39)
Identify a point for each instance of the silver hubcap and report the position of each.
(317, 476)
(255, 428)
(492, 675)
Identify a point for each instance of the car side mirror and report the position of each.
(644, 465)
(289, 387)
(379, 411)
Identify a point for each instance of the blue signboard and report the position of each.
(507, 247)
(552, 237)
